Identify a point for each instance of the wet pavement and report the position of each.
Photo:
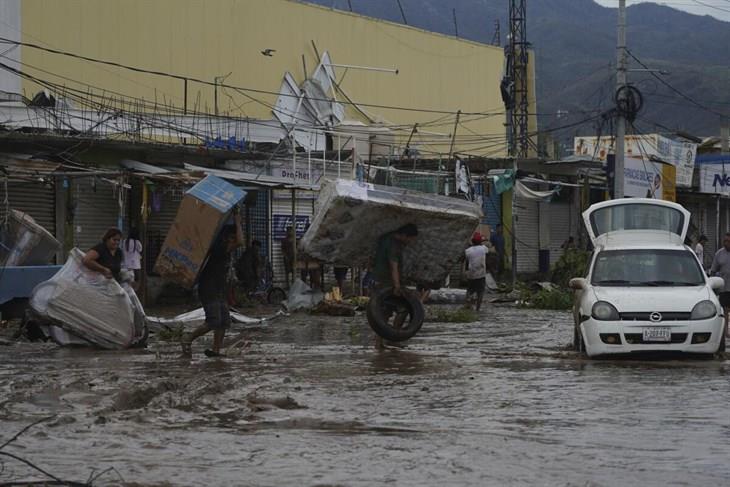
(312, 403)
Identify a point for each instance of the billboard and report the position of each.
(681, 155)
(715, 178)
(647, 179)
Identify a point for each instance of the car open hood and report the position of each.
(661, 218)
(662, 299)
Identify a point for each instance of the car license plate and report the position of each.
(657, 334)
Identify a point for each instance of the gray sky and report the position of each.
(717, 8)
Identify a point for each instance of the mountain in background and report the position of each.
(575, 45)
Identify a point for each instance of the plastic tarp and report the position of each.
(91, 306)
(530, 194)
(301, 296)
(351, 216)
(195, 318)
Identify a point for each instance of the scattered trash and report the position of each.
(447, 296)
(302, 296)
(331, 308)
(195, 318)
(90, 306)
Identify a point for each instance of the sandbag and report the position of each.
(91, 306)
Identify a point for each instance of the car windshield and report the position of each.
(646, 268)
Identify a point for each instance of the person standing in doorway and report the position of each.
(476, 270)
(287, 250)
(212, 289)
(132, 249)
(721, 268)
(497, 240)
(700, 249)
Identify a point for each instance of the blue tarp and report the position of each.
(19, 281)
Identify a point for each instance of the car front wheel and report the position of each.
(578, 344)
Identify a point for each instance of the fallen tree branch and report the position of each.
(47, 474)
(19, 433)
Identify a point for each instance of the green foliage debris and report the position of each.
(458, 315)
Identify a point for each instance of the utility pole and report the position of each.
(618, 191)
(517, 65)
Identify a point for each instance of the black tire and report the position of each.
(722, 343)
(276, 295)
(578, 343)
(381, 323)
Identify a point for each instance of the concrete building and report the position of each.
(279, 89)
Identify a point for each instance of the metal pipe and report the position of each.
(366, 68)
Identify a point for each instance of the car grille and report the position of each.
(644, 316)
(638, 338)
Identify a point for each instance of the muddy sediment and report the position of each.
(502, 401)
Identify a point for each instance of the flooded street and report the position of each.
(312, 403)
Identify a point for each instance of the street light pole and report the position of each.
(618, 191)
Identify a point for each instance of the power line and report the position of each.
(211, 83)
(666, 83)
(699, 2)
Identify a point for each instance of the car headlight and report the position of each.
(604, 311)
(703, 310)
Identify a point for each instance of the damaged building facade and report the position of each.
(111, 111)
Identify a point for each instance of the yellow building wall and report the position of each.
(209, 38)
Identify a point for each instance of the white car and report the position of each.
(645, 290)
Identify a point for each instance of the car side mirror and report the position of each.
(577, 283)
(716, 283)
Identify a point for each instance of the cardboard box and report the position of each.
(203, 211)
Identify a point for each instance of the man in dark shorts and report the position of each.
(721, 268)
(212, 289)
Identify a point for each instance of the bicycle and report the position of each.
(264, 293)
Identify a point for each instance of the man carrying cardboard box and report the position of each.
(212, 289)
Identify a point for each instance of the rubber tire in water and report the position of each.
(381, 325)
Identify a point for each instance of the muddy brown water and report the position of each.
(312, 403)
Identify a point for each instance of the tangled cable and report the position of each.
(629, 102)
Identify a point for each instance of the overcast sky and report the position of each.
(716, 8)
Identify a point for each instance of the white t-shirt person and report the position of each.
(132, 250)
(476, 261)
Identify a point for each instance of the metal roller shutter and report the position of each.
(280, 217)
(37, 200)
(559, 223)
(164, 202)
(527, 233)
(97, 209)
